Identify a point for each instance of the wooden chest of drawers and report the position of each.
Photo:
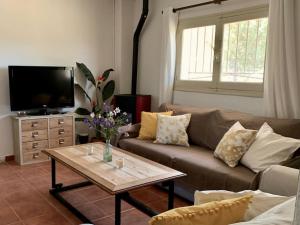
(34, 134)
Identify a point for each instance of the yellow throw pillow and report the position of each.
(213, 213)
(149, 124)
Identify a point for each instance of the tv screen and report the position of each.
(34, 87)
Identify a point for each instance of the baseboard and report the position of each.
(9, 158)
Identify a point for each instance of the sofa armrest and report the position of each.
(128, 131)
(279, 180)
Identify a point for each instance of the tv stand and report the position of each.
(32, 134)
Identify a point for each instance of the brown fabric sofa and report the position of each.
(207, 127)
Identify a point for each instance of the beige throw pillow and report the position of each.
(234, 144)
(172, 129)
(269, 149)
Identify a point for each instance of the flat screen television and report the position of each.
(36, 87)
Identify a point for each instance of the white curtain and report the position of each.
(282, 86)
(168, 55)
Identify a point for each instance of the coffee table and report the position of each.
(137, 172)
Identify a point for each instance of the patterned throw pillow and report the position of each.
(172, 129)
(213, 213)
(234, 144)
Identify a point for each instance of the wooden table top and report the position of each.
(137, 171)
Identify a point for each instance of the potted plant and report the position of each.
(103, 91)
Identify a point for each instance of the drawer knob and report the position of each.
(35, 155)
(61, 121)
(35, 134)
(34, 124)
(61, 141)
(35, 145)
(61, 131)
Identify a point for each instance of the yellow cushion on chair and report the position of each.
(213, 213)
(149, 125)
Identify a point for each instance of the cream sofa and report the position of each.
(279, 180)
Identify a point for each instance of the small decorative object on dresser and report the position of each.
(107, 123)
(32, 134)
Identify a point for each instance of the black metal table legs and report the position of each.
(57, 189)
(140, 206)
(170, 194)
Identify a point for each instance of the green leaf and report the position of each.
(80, 89)
(106, 74)
(80, 119)
(86, 72)
(97, 109)
(82, 111)
(108, 90)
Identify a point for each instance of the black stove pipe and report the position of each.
(136, 40)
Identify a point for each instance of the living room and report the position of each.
(99, 35)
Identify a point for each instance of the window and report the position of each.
(224, 53)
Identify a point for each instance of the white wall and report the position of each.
(124, 29)
(51, 32)
(297, 15)
(149, 67)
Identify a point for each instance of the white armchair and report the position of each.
(279, 180)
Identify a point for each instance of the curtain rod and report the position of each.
(200, 4)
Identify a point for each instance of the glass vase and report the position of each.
(107, 152)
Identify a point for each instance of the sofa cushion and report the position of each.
(157, 152)
(208, 125)
(282, 214)
(204, 172)
(222, 120)
(199, 129)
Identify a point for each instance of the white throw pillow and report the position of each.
(172, 129)
(269, 149)
(282, 214)
(261, 201)
(235, 142)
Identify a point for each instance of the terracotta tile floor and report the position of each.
(25, 200)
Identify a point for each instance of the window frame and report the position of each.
(216, 85)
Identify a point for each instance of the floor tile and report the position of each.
(91, 211)
(105, 221)
(145, 196)
(93, 193)
(7, 215)
(108, 205)
(159, 205)
(47, 219)
(10, 187)
(28, 204)
(134, 217)
(74, 198)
